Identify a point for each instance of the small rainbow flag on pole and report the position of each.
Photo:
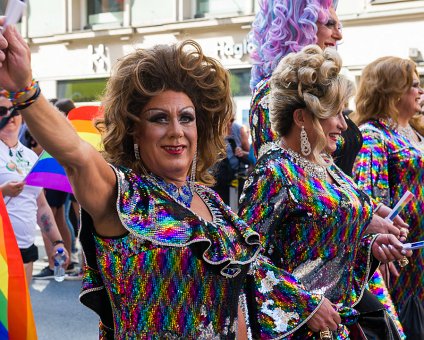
(407, 196)
(47, 172)
(16, 318)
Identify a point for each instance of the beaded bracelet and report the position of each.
(28, 102)
(13, 96)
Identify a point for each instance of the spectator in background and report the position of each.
(71, 205)
(237, 156)
(26, 205)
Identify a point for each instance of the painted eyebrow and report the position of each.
(166, 110)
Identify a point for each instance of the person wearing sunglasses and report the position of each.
(26, 205)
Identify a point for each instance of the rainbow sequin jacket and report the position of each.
(311, 229)
(387, 166)
(174, 275)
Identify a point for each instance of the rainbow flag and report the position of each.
(404, 200)
(82, 119)
(47, 172)
(16, 318)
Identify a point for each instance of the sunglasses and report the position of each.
(5, 110)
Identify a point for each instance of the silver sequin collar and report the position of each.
(411, 134)
(311, 168)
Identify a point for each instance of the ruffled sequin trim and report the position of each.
(149, 213)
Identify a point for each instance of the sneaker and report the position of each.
(76, 275)
(71, 268)
(44, 274)
(75, 257)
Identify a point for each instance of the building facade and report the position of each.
(75, 43)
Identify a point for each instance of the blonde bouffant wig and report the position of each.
(309, 79)
(145, 73)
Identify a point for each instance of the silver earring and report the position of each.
(193, 169)
(136, 152)
(305, 146)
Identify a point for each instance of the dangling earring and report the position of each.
(136, 152)
(305, 146)
(193, 170)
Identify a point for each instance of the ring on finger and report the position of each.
(326, 335)
(403, 262)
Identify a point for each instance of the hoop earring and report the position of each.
(136, 152)
(305, 146)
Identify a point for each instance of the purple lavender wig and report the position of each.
(281, 27)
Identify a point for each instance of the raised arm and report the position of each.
(92, 179)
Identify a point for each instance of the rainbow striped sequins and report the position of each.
(388, 165)
(173, 275)
(259, 120)
(313, 230)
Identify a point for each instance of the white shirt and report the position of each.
(22, 209)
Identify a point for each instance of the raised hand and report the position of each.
(15, 60)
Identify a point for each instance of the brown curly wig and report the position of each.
(145, 73)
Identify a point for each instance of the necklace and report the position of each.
(311, 168)
(12, 147)
(409, 133)
(184, 194)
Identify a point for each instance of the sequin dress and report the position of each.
(259, 120)
(173, 275)
(312, 229)
(388, 165)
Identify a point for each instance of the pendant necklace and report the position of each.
(183, 195)
(411, 134)
(11, 165)
(12, 147)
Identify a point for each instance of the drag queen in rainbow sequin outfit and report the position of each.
(312, 217)
(281, 27)
(391, 160)
(166, 259)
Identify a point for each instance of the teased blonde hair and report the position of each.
(309, 79)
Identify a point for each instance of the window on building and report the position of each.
(239, 82)
(211, 8)
(2, 6)
(105, 12)
(147, 12)
(81, 90)
(378, 2)
(39, 24)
